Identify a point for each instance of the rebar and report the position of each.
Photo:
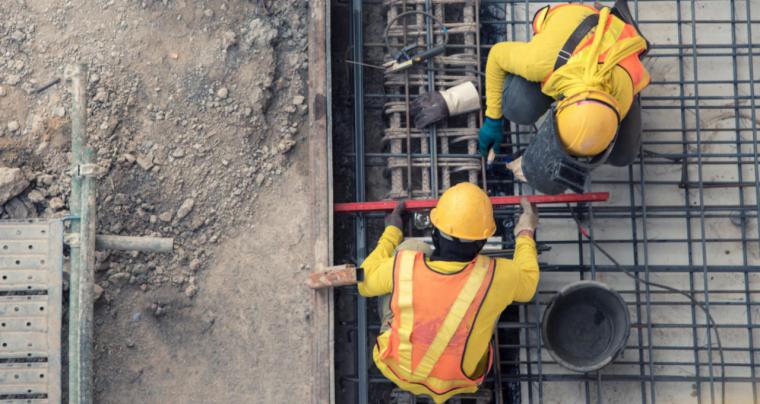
(684, 214)
(357, 40)
(428, 174)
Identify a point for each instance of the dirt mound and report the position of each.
(196, 109)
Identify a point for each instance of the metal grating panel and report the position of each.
(31, 264)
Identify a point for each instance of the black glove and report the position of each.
(429, 108)
(394, 218)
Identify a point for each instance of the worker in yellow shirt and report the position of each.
(441, 306)
(585, 64)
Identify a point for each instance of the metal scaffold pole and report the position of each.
(360, 224)
(84, 241)
(82, 254)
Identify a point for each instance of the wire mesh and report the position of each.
(422, 23)
(685, 214)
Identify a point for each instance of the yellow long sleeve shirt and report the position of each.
(514, 280)
(534, 60)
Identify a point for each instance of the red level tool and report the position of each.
(423, 204)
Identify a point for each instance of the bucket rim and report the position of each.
(574, 287)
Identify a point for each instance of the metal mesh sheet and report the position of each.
(31, 264)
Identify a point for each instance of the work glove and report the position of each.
(528, 218)
(517, 171)
(491, 135)
(394, 218)
(432, 107)
(429, 108)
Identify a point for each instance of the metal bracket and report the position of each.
(87, 170)
(71, 239)
(90, 170)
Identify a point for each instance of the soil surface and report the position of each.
(197, 113)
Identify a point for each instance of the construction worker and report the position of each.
(440, 307)
(584, 61)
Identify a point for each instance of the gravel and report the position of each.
(12, 183)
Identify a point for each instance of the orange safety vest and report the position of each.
(433, 315)
(615, 30)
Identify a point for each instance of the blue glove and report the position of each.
(491, 135)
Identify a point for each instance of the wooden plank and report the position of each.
(339, 275)
(320, 162)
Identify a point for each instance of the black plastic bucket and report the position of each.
(586, 326)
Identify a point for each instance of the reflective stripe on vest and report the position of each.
(404, 344)
(615, 31)
(405, 290)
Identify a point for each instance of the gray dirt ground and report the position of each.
(197, 112)
(244, 336)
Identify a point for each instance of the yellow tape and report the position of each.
(406, 311)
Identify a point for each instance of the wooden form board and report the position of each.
(320, 163)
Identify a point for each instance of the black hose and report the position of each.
(688, 295)
(404, 14)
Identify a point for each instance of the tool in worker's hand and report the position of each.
(425, 204)
(404, 60)
(339, 275)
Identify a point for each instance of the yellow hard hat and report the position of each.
(587, 122)
(465, 212)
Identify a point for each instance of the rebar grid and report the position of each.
(685, 214)
(428, 174)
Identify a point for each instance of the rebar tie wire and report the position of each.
(688, 295)
(410, 12)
